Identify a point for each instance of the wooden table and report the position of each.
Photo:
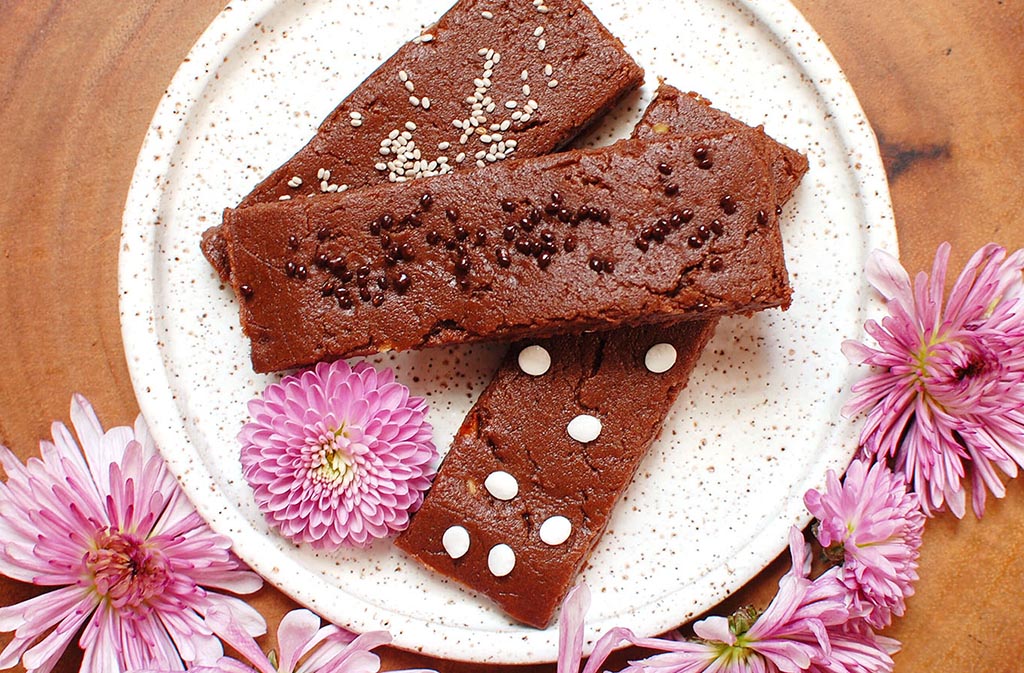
(942, 83)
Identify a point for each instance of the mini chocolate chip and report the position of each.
(564, 214)
(596, 264)
(704, 164)
(509, 233)
(378, 299)
(534, 215)
(328, 288)
(556, 197)
(463, 283)
(480, 237)
(641, 243)
(694, 242)
(461, 233)
(778, 210)
(523, 246)
(675, 221)
(701, 152)
(406, 251)
(433, 238)
(716, 227)
(450, 244)
(293, 242)
(551, 209)
(544, 260)
(246, 291)
(569, 244)
(715, 264)
(462, 265)
(658, 234)
(322, 234)
(762, 217)
(412, 220)
(609, 266)
(526, 224)
(402, 282)
(728, 204)
(647, 233)
(501, 254)
(345, 300)
(547, 236)
(508, 206)
(385, 241)
(382, 282)
(289, 268)
(701, 306)
(426, 200)
(364, 294)
(345, 276)
(703, 232)
(672, 189)
(664, 169)
(363, 271)
(452, 214)
(391, 256)
(301, 272)
(548, 247)
(385, 221)
(604, 216)
(686, 214)
(375, 227)
(321, 260)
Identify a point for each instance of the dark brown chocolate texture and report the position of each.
(518, 426)
(458, 291)
(469, 69)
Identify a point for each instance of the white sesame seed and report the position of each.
(296, 181)
(487, 74)
(511, 105)
(324, 186)
(489, 64)
(548, 70)
(409, 86)
(487, 82)
(543, 9)
(478, 83)
(426, 37)
(490, 108)
(538, 31)
(381, 166)
(485, 139)
(409, 127)
(332, 188)
(482, 51)
(417, 39)
(504, 125)
(496, 137)
(342, 188)
(486, 100)
(553, 83)
(355, 115)
(284, 197)
(356, 122)
(414, 101)
(478, 106)
(490, 157)
(392, 177)
(511, 143)
(474, 122)
(460, 157)
(327, 174)
(542, 43)
(496, 58)
(457, 123)
(443, 145)
(463, 138)
(526, 89)
(480, 155)
(480, 163)
(487, 15)
(525, 118)
(495, 127)
(320, 174)
(416, 154)
(386, 142)
(516, 115)
(403, 75)
(442, 159)
(393, 134)
(493, 148)
(401, 178)
(525, 75)
(384, 151)
(532, 103)
(425, 102)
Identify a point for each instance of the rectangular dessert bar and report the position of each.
(518, 426)
(489, 81)
(681, 227)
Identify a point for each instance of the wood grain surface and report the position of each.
(942, 83)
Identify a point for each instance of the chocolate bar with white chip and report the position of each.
(640, 232)
(488, 82)
(519, 429)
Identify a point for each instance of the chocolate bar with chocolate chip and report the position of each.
(488, 82)
(641, 232)
(518, 479)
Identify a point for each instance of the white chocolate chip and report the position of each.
(501, 560)
(660, 358)
(456, 541)
(555, 530)
(584, 428)
(534, 360)
(501, 485)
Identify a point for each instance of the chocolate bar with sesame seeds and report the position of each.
(488, 82)
(628, 379)
(642, 231)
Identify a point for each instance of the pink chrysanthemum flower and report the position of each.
(950, 385)
(338, 455)
(305, 647)
(806, 627)
(873, 526)
(110, 528)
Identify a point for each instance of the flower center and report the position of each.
(126, 570)
(333, 465)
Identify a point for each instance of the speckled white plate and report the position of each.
(758, 426)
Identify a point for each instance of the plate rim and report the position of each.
(154, 393)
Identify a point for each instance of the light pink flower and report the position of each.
(111, 530)
(305, 647)
(338, 455)
(948, 385)
(806, 627)
(874, 527)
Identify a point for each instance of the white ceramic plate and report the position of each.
(758, 426)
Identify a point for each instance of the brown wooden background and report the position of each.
(942, 83)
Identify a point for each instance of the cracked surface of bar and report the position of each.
(529, 248)
(491, 75)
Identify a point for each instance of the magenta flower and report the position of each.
(305, 647)
(806, 627)
(338, 455)
(948, 385)
(111, 530)
(873, 526)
